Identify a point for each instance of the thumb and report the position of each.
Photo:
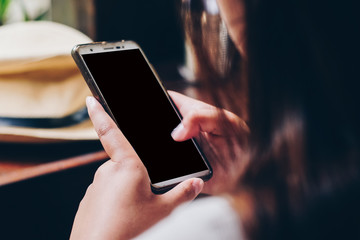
(184, 191)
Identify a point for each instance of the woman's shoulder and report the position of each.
(205, 218)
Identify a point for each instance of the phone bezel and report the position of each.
(100, 47)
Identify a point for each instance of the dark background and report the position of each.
(44, 207)
(154, 25)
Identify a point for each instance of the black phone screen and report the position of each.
(143, 113)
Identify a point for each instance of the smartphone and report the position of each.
(124, 82)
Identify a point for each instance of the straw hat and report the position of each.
(42, 93)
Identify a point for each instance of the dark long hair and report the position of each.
(302, 71)
(303, 80)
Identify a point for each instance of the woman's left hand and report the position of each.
(119, 204)
(224, 140)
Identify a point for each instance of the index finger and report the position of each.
(112, 139)
(187, 104)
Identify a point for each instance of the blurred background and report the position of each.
(155, 25)
(42, 183)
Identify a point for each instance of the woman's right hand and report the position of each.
(221, 146)
(119, 203)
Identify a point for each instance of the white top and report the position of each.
(206, 218)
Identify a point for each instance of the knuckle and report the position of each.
(102, 171)
(89, 189)
(194, 115)
(201, 115)
(99, 172)
(193, 118)
(135, 167)
(104, 129)
(130, 163)
(187, 191)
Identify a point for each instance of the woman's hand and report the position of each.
(222, 145)
(119, 204)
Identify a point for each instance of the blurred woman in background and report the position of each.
(294, 176)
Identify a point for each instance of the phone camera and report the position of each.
(91, 49)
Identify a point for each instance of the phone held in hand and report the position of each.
(122, 80)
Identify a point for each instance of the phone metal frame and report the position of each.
(99, 47)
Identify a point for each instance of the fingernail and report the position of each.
(90, 101)
(177, 132)
(198, 185)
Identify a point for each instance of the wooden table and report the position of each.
(19, 162)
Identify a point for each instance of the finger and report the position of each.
(196, 121)
(186, 104)
(112, 139)
(183, 192)
(211, 121)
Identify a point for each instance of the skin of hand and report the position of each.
(200, 118)
(119, 204)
